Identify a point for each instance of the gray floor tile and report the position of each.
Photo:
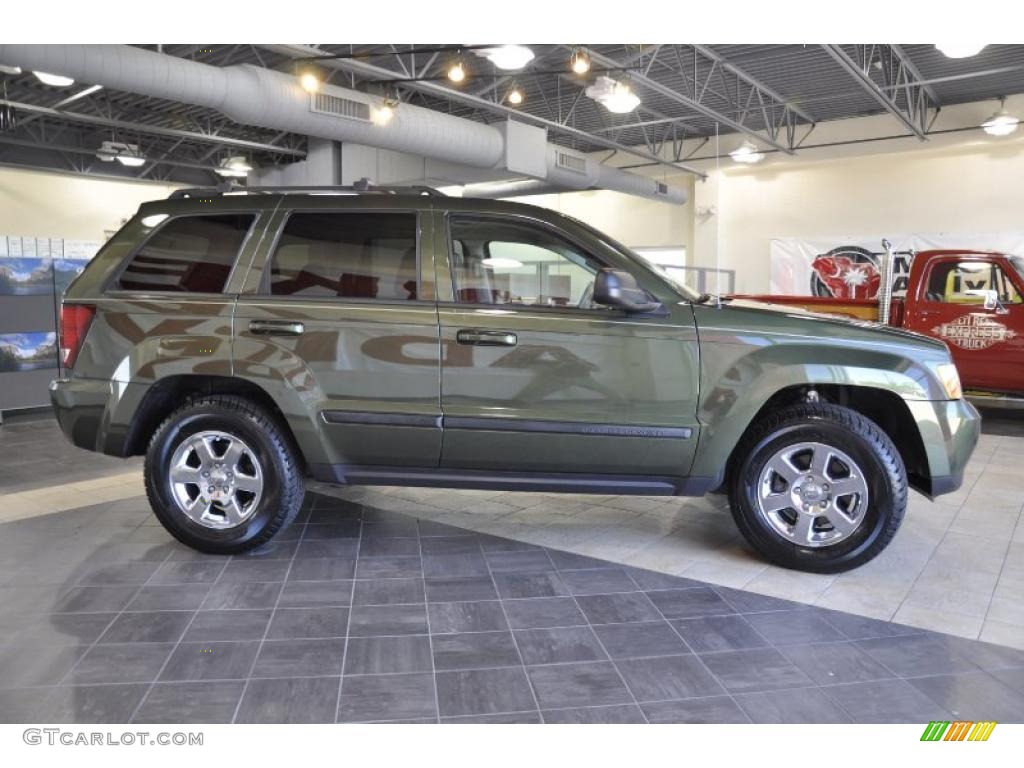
(533, 612)
(479, 616)
(652, 580)
(189, 572)
(570, 561)
(299, 658)
(475, 650)
(294, 623)
(210, 661)
(376, 620)
(148, 627)
(689, 603)
(22, 666)
(388, 591)
(446, 566)
(393, 528)
(135, 663)
(617, 713)
(761, 669)
(23, 705)
(322, 569)
(95, 599)
(540, 584)
(832, 663)
(209, 626)
(751, 602)
(452, 545)
(179, 597)
(668, 677)
(386, 655)
(862, 628)
(60, 628)
(556, 646)
(242, 596)
(719, 633)
(190, 703)
(387, 697)
(794, 627)
(315, 594)
(714, 709)
(93, 703)
(389, 547)
(329, 548)
(630, 641)
(618, 609)
(988, 655)
(448, 590)
(806, 705)
(914, 655)
(886, 701)
(524, 561)
(511, 718)
(598, 581)
(408, 566)
(342, 529)
(578, 685)
(245, 571)
(482, 691)
(974, 695)
(289, 700)
(119, 573)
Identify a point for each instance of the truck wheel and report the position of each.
(818, 488)
(222, 476)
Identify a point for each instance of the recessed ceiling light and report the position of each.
(747, 153)
(612, 95)
(57, 81)
(960, 50)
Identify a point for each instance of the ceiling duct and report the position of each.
(266, 98)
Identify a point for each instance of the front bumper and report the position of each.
(949, 432)
(95, 414)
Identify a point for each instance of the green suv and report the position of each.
(245, 341)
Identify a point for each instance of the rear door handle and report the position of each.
(276, 328)
(486, 338)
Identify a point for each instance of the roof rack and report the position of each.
(361, 187)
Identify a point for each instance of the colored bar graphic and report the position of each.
(961, 730)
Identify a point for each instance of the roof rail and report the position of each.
(361, 187)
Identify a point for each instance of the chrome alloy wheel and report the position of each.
(215, 479)
(812, 494)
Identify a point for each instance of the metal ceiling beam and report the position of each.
(748, 96)
(371, 71)
(900, 94)
(78, 117)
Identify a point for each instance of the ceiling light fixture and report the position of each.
(457, 71)
(236, 167)
(508, 57)
(514, 96)
(747, 153)
(126, 154)
(960, 50)
(310, 82)
(7, 70)
(579, 61)
(1002, 123)
(57, 81)
(612, 95)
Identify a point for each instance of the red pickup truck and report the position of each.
(972, 300)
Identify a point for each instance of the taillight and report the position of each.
(74, 324)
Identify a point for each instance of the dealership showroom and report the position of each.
(512, 383)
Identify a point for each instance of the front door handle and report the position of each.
(486, 338)
(276, 328)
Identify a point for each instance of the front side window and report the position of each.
(968, 282)
(192, 254)
(353, 255)
(499, 262)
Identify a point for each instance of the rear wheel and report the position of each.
(818, 487)
(222, 476)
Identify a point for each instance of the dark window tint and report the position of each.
(351, 255)
(190, 253)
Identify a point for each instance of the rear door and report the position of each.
(537, 378)
(340, 325)
(987, 344)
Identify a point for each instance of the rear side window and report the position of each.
(191, 254)
(353, 255)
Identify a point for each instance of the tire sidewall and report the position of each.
(881, 495)
(158, 462)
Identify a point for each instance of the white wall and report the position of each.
(44, 204)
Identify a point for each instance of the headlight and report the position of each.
(950, 379)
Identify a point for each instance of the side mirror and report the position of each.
(618, 288)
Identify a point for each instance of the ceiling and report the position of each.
(773, 93)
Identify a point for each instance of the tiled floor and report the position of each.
(365, 614)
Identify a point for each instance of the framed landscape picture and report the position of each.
(28, 351)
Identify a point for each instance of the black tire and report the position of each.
(832, 425)
(283, 486)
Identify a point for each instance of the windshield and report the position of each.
(675, 283)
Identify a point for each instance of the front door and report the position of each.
(987, 344)
(340, 328)
(538, 378)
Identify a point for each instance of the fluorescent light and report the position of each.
(1002, 123)
(57, 81)
(499, 263)
(960, 50)
(508, 56)
(747, 153)
(236, 167)
(612, 95)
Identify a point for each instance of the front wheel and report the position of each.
(818, 487)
